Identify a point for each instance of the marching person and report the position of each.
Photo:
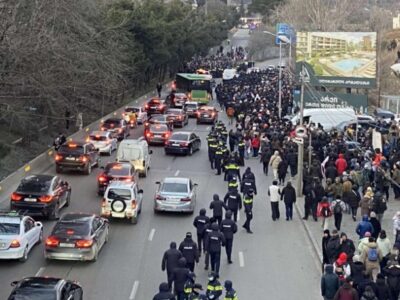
(214, 287)
(215, 240)
(188, 248)
(200, 222)
(233, 202)
(230, 293)
(207, 231)
(170, 261)
(288, 196)
(338, 207)
(164, 293)
(274, 195)
(228, 228)
(217, 207)
(179, 276)
(248, 209)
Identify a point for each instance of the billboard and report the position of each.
(314, 99)
(338, 59)
(286, 30)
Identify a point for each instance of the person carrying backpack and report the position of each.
(338, 207)
(371, 256)
(324, 211)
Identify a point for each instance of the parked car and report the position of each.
(115, 171)
(122, 200)
(77, 236)
(184, 142)
(177, 116)
(118, 127)
(18, 235)
(42, 195)
(78, 156)
(46, 288)
(175, 194)
(103, 141)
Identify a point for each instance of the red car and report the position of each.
(155, 106)
(157, 134)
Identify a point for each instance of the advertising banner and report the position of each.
(317, 99)
(338, 59)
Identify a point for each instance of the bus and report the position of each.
(196, 86)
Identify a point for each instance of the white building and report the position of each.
(396, 22)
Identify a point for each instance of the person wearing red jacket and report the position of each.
(255, 144)
(341, 164)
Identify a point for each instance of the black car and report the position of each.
(178, 116)
(155, 106)
(42, 195)
(115, 171)
(46, 288)
(118, 127)
(79, 156)
(182, 142)
(77, 236)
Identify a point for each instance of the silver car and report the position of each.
(175, 194)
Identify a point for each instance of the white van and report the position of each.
(137, 153)
(329, 118)
(229, 74)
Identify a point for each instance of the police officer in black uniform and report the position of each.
(207, 231)
(215, 240)
(164, 293)
(248, 209)
(217, 206)
(218, 157)
(228, 228)
(248, 184)
(179, 276)
(170, 261)
(189, 251)
(200, 222)
(233, 184)
(233, 202)
(212, 148)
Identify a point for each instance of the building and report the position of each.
(367, 43)
(313, 43)
(396, 22)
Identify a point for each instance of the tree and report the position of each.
(264, 6)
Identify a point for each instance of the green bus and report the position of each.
(197, 86)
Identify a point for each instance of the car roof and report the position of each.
(38, 177)
(121, 184)
(77, 217)
(43, 282)
(101, 133)
(182, 132)
(116, 163)
(176, 180)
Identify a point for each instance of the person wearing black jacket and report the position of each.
(331, 171)
(217, 206)
(308, 201)
(329, 283)
(215, 240)
(248, 174)
(347, 246)
(200, 222)
(288, 195)
(333, 247)
(233, 202)
(189, 251)
(382, 292)
(228, 228)
(325, 239)
(179, 276)
(392, 273)
(291, 158)
(164, 293)
(170, 261)
(248, 184)
(207, 231)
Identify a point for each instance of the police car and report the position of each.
(18, 235)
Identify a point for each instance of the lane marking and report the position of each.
(134, 290)
(238, 216)
(40, 272)
(151, 235)
(177, 172)
(241, 259)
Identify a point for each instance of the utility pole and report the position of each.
(280, 80)
(300, 153)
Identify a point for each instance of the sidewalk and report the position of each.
(315, 230)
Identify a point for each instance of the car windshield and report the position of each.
(130, 154)
(158, 128)
(114, 194)
(180, 137)
(174, 188)
(72, 228)
(131, 109)
(30, 293)
(117, 170)
(98, 138)
(9, 228)
(34, 185)
(72, 150)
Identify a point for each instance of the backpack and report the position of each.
(325, 211)
(337, 209)
(372, 254)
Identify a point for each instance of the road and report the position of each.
(276, 260)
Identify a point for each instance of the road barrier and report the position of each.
(45, 161)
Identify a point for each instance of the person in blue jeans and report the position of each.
(288, 195)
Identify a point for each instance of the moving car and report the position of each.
(159, 119)
(122, 200)
(18, 235)
(207, 114)
(183, 142)
(155, 106)
(118, 127)
(175, 194)
(157, 134)
(103, 141)
(115, 171)
(191, 108)
(42, 195)
(177, 116)
(46, 288)
(78, 156)
(179, 100)
(141, 114)
(77, 236)
(384, 114)
(137, 153)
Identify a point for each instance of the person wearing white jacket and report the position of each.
(274, 194)
(385, 245)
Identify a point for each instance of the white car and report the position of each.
(140, 113)
(103, 141)
(18, 235)
(122, 200)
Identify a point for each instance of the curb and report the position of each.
(310, 236)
